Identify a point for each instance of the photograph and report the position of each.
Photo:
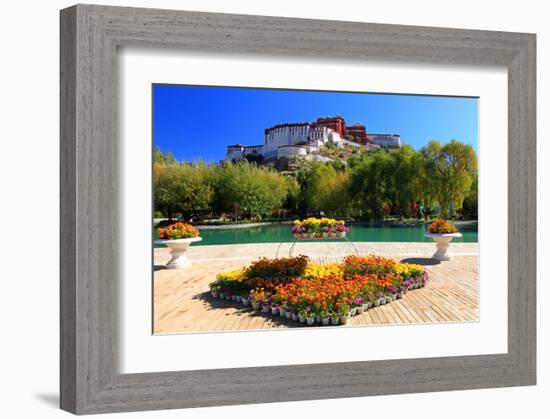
(275, 209)
(280, 208)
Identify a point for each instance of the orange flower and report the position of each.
(442, 227)
(178, 230)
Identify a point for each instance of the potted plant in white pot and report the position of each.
(325, 318)
(178, 237)
(442, 232)
(215, 288)
(343, 312)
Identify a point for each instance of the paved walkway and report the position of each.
(182, 302)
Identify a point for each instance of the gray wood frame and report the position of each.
(89, 38)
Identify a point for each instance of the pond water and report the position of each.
(276, 233)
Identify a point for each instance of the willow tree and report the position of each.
(314, 183)
(404, 175)
(450, 170)
(183, 189)
(470, 204)
(247, 189)
(372, 183)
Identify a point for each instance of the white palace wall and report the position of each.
(286, 136)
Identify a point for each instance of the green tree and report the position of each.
(372, 183)
(292, 199)
(315, 189)
(182, 189)
(404, 178)
(244, 188)
(449, 173)
(469, 206)
(160, 157)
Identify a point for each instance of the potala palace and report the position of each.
(306, 139)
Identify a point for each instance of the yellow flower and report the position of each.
(408, 269)
(297, 222)
(236, 275)
(323, 271)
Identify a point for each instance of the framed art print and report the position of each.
(331, 204)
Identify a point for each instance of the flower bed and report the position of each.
(319, 228)
(319, 294)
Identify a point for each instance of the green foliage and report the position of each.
(450, 171)
(292, 199)
(249, 190)
(182, 188)
(469, 206)
(372, 183)
(398, 182)
(161, 158)
(325, 188)
(405, 175)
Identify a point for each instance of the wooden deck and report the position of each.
(183, 304)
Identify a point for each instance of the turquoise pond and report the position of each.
(277, 233)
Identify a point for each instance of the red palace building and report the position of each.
(358, 132)
(338, 124)
(293, 135)
(335, 123)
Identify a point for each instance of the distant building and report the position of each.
(305, 138)
(239, 151)
(385, 140)
(358, 132)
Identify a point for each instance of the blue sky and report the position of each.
(197, 122)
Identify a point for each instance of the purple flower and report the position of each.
(297, 229)
(425, 277)
(358, 301)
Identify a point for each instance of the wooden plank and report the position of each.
(450, 296)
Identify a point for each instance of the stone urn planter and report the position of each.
(317, 236)
(178, 248)
(442, 244)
